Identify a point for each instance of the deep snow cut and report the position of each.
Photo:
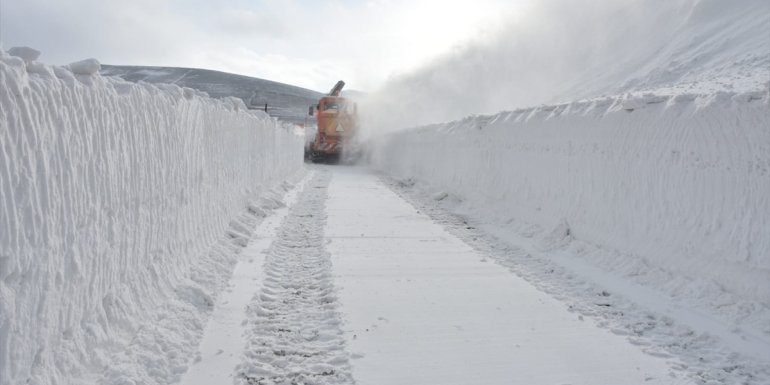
(121, 207)
(444, 313)
(664, 182)
(671, 188)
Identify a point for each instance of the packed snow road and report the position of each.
(352, 284)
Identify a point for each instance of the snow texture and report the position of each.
(696, 344)
(672, 191)
(121, 208)
(219, 351)
(444, 313)
(660, 192)
(295, 335)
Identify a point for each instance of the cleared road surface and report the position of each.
(422, 307)
(374, 292)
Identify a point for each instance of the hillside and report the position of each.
(594, 49)
(286, 102)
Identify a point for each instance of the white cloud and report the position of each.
(249, 24)
(300, 42)
(139, 32)
(314, 75)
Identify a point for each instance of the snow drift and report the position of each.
(115, 199)
(680, 184)
(665, 182)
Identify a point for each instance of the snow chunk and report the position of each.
(558, 238)
(64, 74)
(13, 61)
(650, 98)
(749, 96)
(188, 93)
(441, 195)
(631, 102)
(123, 88)
(270, 203)
(85, 67)
(40, 69)
(195, 296)
(25, 53)
(684, 98)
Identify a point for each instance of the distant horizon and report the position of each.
(215, 70)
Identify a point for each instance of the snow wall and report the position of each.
(681, 182)
(114, 199)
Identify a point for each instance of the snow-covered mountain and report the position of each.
(567, 51)
(286, 102)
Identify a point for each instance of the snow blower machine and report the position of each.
(337, 122)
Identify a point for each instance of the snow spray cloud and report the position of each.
(557, 51)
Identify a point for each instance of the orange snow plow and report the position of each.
(337, 120)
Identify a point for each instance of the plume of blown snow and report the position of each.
(567, 50)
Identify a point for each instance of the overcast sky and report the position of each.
(306, 43)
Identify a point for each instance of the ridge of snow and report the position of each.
(27, 54)
(669, 191)
(85, 67)
(116, 218)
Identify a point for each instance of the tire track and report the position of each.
(294, 328)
